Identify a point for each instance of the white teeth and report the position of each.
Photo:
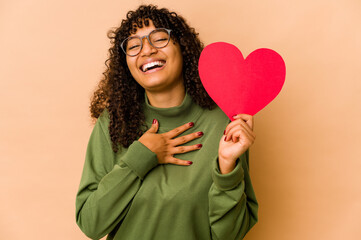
(145, 67)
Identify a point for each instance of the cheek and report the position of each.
(180, 62)
(129, 61)
(131, 65)
(176, 56)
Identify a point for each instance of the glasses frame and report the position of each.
(141, 41)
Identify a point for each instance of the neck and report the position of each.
(172, 117)
(167, 99)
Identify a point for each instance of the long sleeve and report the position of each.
(233, 208)
(109, 182)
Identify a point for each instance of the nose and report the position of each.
(147, 48)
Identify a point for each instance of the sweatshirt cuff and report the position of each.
(230, 180)
(140, 159)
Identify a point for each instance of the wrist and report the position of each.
(226, 165)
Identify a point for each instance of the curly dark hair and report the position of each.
(121, 95)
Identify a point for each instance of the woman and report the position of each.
(163, 162)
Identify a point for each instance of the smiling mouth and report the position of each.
(152, 66)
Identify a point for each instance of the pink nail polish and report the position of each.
(154, 121)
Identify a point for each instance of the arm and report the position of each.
(232, 203)
(109, 182)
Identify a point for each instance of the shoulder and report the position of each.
(102, 123)
(104, 119)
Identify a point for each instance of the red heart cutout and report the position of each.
(239, 85)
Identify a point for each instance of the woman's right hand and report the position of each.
(165, 145)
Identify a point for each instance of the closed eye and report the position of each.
(132, 47)
(162, 39)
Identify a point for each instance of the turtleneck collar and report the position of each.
(172, 117)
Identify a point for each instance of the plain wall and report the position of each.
(305, 163)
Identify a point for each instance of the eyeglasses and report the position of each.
(158, 38)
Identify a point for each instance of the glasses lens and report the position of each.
(132, 46)
(159, 38)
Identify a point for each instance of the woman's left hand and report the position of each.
(237, 138)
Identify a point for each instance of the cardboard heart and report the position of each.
(239, 85)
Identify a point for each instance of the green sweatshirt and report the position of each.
(128, 195)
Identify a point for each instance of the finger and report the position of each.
(242, 138)
(184, 149)
(177, 131)
(237, 136)
(238, 132)
(237, 123)
(180, 162)
(154, 127)
(245, 117)
(187, 138)
(248, 129)
(241, 134)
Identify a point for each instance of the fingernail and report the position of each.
(200, 134)
(224, 132)
(199, 145)
(190, 163)
(191, 124)
(154, 121)
(225, 138)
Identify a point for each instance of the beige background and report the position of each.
(305, 163)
